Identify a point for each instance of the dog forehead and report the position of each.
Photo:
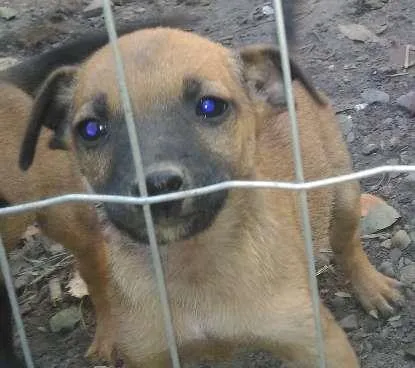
(157, 63)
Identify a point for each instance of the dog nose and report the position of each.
(163, 182)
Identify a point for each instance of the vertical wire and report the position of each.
(5, 269)
(305, 218)
(135, 148)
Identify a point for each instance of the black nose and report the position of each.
(163, 182)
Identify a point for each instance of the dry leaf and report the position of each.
(376, 213)
(77, 286)
(357, 32)
(367, 202)
(55, 290)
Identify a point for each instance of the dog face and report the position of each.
(196, 106)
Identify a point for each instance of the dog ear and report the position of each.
(50, 109)
(262, 74)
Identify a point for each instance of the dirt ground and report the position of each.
(381, 133)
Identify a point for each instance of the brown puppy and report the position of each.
(73, 225)
(234, 260)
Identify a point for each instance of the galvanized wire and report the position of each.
(135, 149)
(226, 185)
(301, 186)
(5, 270)
(299, 173)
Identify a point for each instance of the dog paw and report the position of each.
(378, 293)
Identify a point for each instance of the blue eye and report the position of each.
(91, 130)
(211, 107)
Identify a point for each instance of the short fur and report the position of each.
(73, 225)
(239, 279)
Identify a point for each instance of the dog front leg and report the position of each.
(289, 335)
(76, 227)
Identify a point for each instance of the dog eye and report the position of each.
(91, 130)
(211, 107)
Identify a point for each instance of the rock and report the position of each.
(65, 320)
(350, 137)
(338, 302)
(395, 321)
(407, 101)
(94, 9)
(7, 62)
(349, 322)
(408, 274)
(410, 350)
(374, 4)
(21, 281)
(357, 32)
(370, 148)
(7, 13)
(346, 123)
(404, 261)
(395, 255)
(267, 10)
(372, 95)
(386, 268)
(401, 239)
(387, 243)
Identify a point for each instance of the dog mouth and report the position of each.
(172, 222)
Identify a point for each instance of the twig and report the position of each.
(406, 63)
(397, 74)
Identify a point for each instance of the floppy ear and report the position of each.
(50, 109)
(262, 74)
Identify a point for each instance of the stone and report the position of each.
(346, 123)
(401, 239)
(407, 101)
(408, 274)
(7, 13)
(65, 320)
(410, 350)
(372, 96)
(386, 268)
(374, 4)
(370, 148)
(395, 254)
(387, 243)
(349, 322)
(94, 9)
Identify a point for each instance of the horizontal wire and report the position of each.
(226, 185)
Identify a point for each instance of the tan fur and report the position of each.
(73, 225)
(241, 283)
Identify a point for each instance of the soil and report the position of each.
(341, 67)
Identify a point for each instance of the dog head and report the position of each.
(197, 106)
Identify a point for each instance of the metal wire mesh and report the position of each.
(300, 186)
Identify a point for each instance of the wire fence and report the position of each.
(299, 186)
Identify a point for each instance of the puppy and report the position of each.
(73, 225)
(234, 260)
